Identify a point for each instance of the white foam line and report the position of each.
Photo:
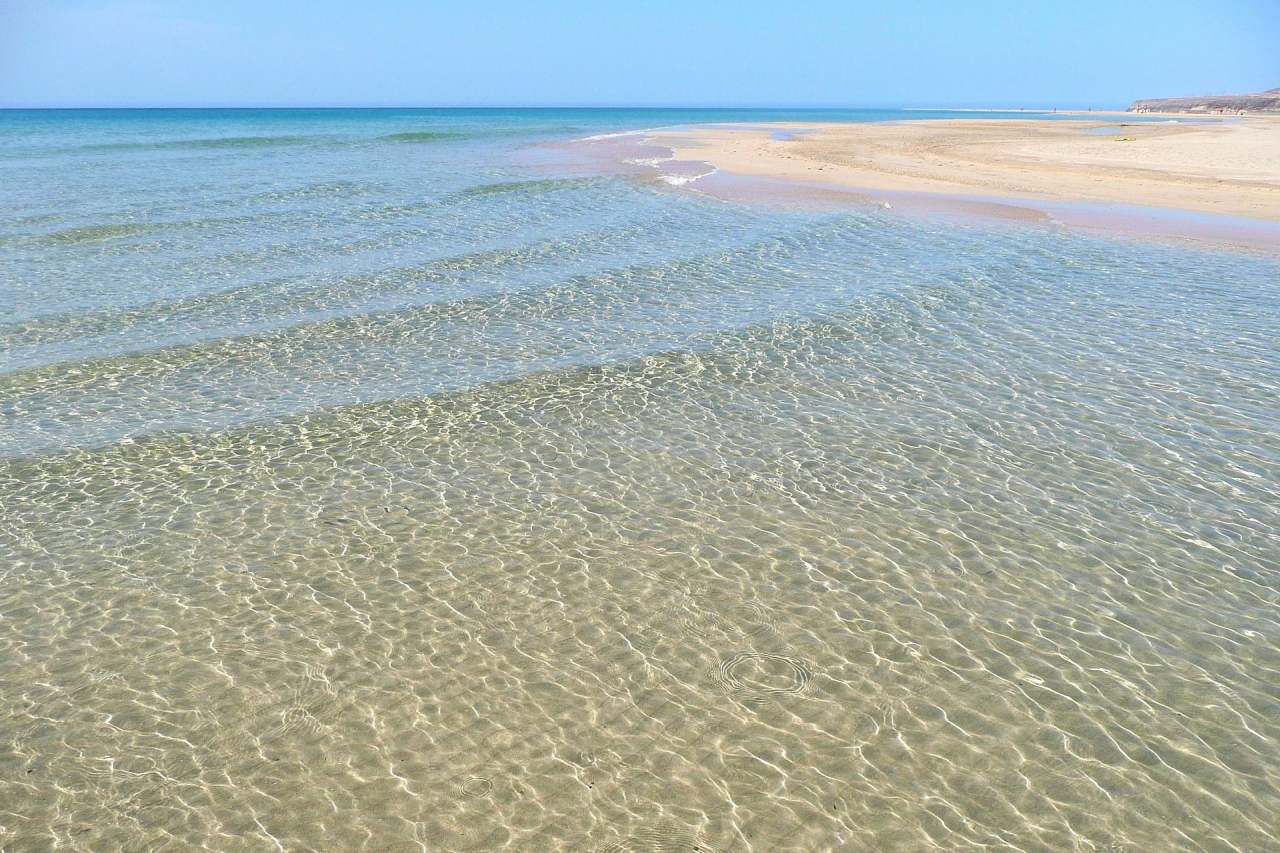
(621, 133)
(651, 162)
(599, 136)
(681, 180)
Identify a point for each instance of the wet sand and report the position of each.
(1221, 167)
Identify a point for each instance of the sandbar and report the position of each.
(1229, 167)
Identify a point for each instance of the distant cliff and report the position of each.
(1263, 102)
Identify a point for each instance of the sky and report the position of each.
(876, 53)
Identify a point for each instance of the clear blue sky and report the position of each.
(634, 52)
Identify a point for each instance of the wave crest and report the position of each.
(424, 136)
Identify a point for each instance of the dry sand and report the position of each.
(1229, 167)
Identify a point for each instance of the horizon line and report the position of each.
(563, 107)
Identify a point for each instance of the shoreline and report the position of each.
(1218, 180)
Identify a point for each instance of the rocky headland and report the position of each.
(1262, 102)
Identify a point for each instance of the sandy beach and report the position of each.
(1223, 167)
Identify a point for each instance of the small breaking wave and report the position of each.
(94, 233)
(651, 162)
(527, 187)
(673, 178)
(600, 137)
(678, 180)
(206, 143)
(424, 136)
(323, 189)
(237, 142)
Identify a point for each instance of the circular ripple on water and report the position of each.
(754, 675)
(754, 620)
(473, 787)
(583, 757)
(295, 720)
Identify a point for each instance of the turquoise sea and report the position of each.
(395, 480)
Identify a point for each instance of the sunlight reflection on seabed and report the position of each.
(473, 509)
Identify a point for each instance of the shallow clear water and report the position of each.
(375, 480)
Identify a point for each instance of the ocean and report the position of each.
(396, 480)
